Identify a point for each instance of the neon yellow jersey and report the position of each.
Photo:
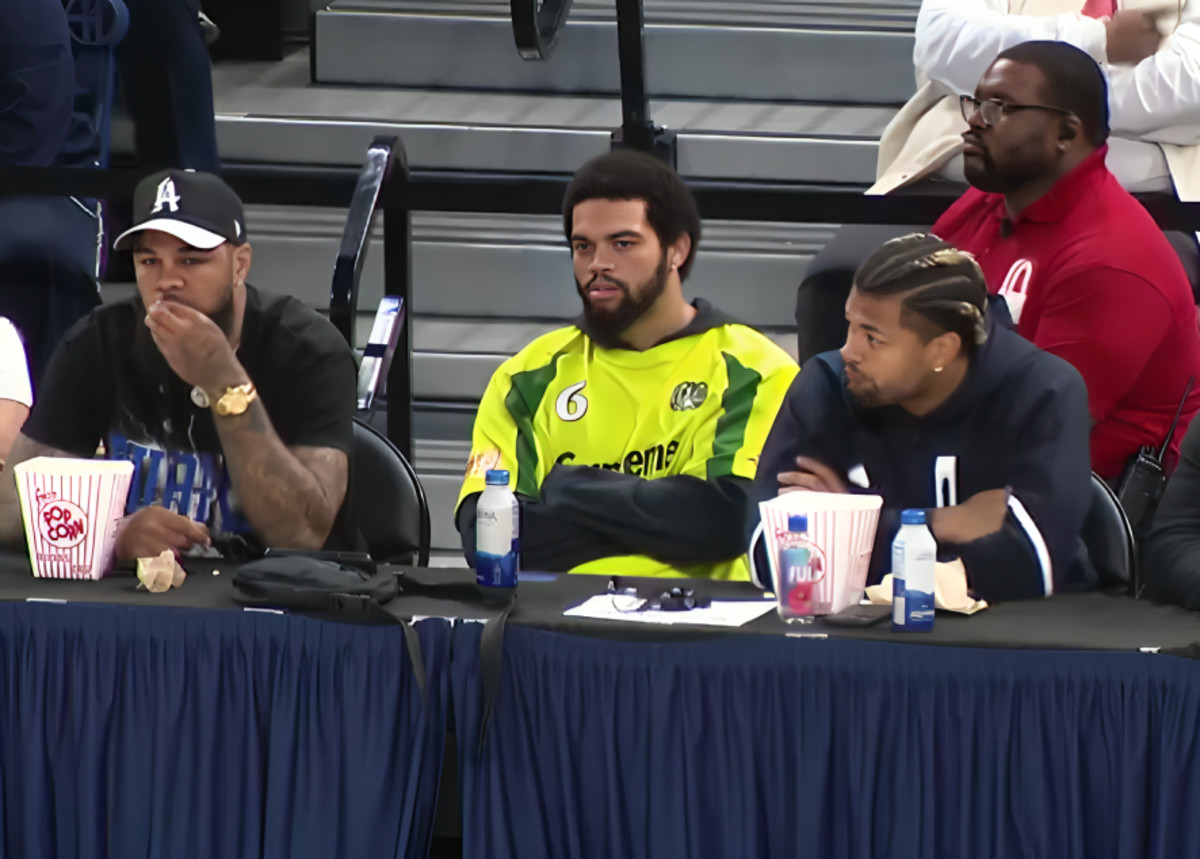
(699, 405)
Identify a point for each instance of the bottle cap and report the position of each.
(912, 517)
(499, 477)
(798, 523)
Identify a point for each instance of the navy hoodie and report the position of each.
(1018, 420)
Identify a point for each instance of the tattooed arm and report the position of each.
(290, 495)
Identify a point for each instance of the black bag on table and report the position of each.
(307, 583)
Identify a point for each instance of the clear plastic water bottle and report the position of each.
(914, 554)
(497, 533)
(797, 558)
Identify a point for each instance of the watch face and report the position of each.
(236, 404)
(199, 397)
(234, 401)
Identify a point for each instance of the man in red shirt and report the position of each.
(1086, 272)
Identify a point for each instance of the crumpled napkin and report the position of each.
(949, 590)
(160, 573)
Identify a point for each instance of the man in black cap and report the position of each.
(234, 406)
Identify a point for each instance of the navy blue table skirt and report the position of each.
(768, 746)
(174, 732)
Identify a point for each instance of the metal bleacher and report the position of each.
(765, 90)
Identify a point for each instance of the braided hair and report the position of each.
(943, 287)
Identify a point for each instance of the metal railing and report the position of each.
(386, 163)
(537, 24)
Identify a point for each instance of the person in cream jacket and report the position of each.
(1150, 50)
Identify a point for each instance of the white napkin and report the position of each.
(949, 590)
(161, 573)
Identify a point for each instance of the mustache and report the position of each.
(607, 281)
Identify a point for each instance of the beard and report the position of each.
(984, 173)
(223, 316)
(865, 393)
(611, 321)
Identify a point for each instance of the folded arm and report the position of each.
(549, 541)
(1020, 542)
(1159, 98)
(587, 513)
(682, 519)
(956, 40)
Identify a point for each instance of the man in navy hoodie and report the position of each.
(927, 407)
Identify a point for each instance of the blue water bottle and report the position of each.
(497, 533)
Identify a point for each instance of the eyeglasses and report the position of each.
(992, 110)
(624, 599)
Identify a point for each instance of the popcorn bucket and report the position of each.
(841, 531)
(71, 508)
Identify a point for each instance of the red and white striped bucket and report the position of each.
(842, 526)
(71, 508)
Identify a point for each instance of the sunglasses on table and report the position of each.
(626, 600)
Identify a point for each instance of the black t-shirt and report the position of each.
(108, 381)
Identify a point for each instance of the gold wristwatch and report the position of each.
(234, 401)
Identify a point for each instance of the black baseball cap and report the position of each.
(197, 208)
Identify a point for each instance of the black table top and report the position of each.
(1093, 621)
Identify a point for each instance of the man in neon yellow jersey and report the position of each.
(632, 436)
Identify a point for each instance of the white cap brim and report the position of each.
(195, 236)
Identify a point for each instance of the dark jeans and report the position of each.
(167, 82)
(37, 81)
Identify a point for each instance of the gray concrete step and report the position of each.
(785, 50)
(272, 113)
(838, 14)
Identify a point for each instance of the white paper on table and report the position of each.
(729, 613)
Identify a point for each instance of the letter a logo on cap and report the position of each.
(166, 197)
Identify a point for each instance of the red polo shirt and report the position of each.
(1089, 276)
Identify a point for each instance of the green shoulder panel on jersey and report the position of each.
(753, 348)
(523, 401)
(542, 350)
(736, 405)
(530, 372)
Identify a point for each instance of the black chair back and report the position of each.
(1109, 539)
(390, 507)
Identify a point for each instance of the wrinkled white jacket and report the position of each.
(1156, 102)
